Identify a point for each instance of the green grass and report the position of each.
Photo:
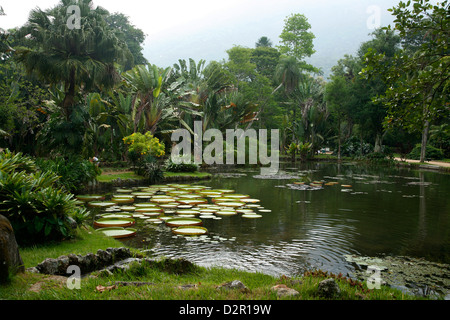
(166, 276)
(122, 175)
(86, 240)
(196, 174)
(109, 174)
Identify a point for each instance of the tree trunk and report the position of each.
(423, 147)
(339, 140)
(69, 99)
(378, 140)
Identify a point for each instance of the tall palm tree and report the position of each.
(146, 83)
(78, 58)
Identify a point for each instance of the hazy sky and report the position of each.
(205, 29)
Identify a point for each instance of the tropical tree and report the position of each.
(146, 82)
(263, 42)
(78, 58)
(417, 81)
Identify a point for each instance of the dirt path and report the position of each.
(434, 163)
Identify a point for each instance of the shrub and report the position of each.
(180, 167)
(353, 147)
(37, 209)
(432, 153)
(144, 144)
(74, 171)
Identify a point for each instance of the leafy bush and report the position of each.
(151, 171)
(180, 167)
(353, 147)
(432, 153)
(144, 144)
(74, 171)
(37, 210)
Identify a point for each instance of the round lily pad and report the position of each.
(233, 204)
(122, 200)
(118, 232)
(114, 222)
(90, 197)
(178, 222)
(101, 204)
(120, 190)
(192, 201)
(190, 230)
(251, 216)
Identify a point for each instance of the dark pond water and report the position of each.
(386, 211)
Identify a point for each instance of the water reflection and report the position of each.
(383, 212)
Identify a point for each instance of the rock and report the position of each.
(104, 258)
(284, 291)
(328, 288)
(10, 259)
(235, 284)
(48, 266)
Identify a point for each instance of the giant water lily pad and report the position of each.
(178, 222)
(114, 222)
(190, 230)
(118, 232)
(122, 200)
(233, 204)
(90, 197)
(251, 216)
(116, 215)
(101, 204)
(192, 201)
(145, 204)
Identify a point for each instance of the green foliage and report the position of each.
(296, 39)
(36, 208)
(144, 144)
(355, 147)
(74, 172)
(180, 167)
(151, 171)
(432, 153)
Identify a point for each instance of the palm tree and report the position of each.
(78, 58)
(263, 42)
(150, 103)
(288, 74)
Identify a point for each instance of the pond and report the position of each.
(317, 216)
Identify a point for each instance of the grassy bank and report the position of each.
(166, 280)
(111, 174)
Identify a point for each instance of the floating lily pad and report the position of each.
(90, 197)
(188, 211)
(145, 204)
(101, 204)
(192, 201)
(114, 222)
(163, 200)
(226, 213)
(177, 222)
(249, 200)
(124, 190)
(251, 216)
(233, 204)
(127, 208)
(116, 215)
(122, 200)
(236, 196)
(118, 232)
(190, 230)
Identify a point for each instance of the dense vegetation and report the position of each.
(68, 94)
